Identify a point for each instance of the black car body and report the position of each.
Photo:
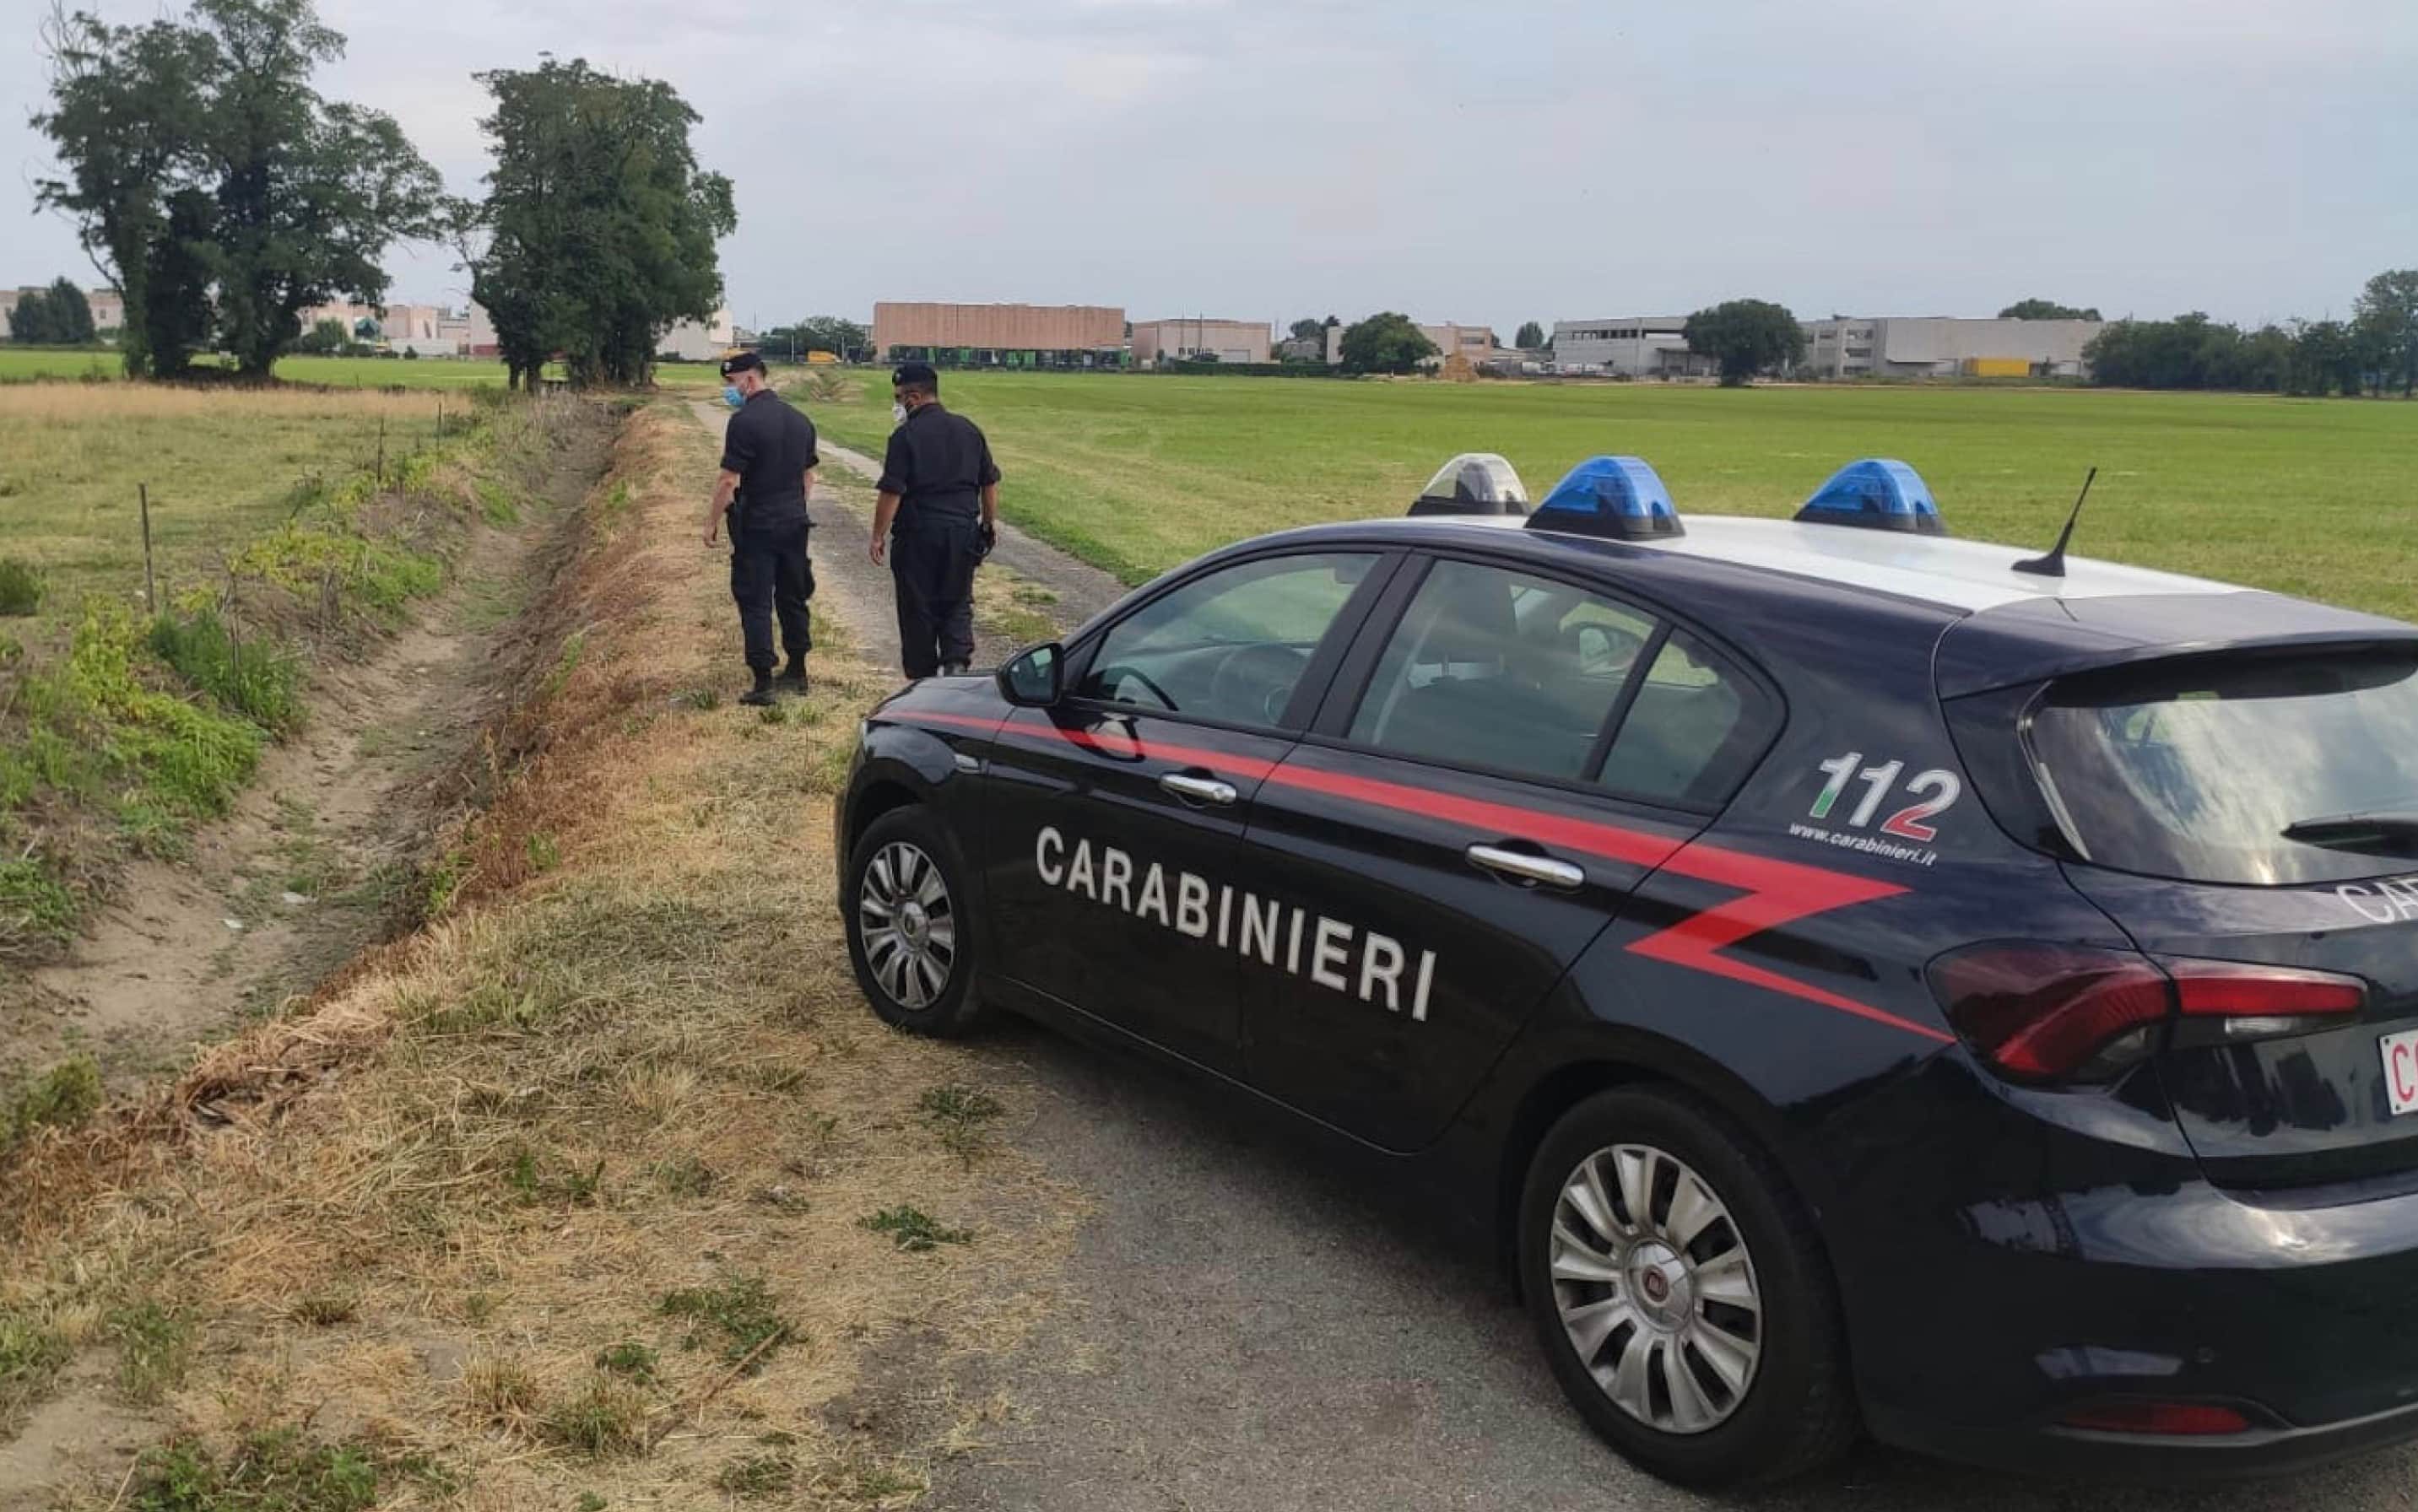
(1762, 831)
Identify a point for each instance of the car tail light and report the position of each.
(2231, 1002)
(2072, 1012)
(2181, 1419)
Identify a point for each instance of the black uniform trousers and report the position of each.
(933, 563)
(772, 577)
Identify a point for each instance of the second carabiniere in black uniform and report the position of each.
(936, 519)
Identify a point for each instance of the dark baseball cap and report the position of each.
(919, 374)
(738, 362)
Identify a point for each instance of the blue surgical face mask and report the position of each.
(897, 414)
(731, 396)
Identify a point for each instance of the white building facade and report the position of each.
(1630, 346)
(1937, 346)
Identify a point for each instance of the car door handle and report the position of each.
(1197, 789)
(1527, 866)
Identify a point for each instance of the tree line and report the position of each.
(2375, 351)
(59, 315)
(225, 197)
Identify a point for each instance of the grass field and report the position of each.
(2310, 497)
(222, 468)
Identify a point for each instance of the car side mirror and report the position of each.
(1031, 678)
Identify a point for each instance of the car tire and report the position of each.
(1682, 1291)
(917, 964)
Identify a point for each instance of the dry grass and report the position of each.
(465, 1136)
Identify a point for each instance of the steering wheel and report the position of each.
(1116, 677)
(1259, 677)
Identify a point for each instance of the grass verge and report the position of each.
(577, 1166)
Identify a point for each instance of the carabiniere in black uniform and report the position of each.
(938, 467)
(770, 448)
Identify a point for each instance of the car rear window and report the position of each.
(2196, 769)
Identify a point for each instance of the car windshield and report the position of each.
(2196, 771)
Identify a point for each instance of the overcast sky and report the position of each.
(1480, 161)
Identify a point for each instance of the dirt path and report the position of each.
(1027, 591)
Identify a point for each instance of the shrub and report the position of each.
(36, 910)
(60, 1098)
(260, 681)
(20, 586)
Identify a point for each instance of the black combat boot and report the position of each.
(953, 669)
(793, 676)
(760, 694)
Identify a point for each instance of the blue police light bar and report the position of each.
(1619, 497)
(1875, 493)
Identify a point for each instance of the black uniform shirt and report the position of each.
(769, 446)
(937, 465)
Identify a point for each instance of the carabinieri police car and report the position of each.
(1860, 978)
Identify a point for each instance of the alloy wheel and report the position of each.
(907, 924)
(1655, 1290)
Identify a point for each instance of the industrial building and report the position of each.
(427, 330)
(1629, 346)
(706, 341)
(1194, 338)
(1930, 347)
(1000, 335)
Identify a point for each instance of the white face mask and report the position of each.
(897, 414)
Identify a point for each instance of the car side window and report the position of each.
(1230, 646)
(1694, 731)
(1496, 668)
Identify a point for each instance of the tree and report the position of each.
(2385, 319)
(1746, 337)
(598, 228)
(1386, 343)
(1531, 337)
(1306, 330)
(211, 182)
(55, 316)
(2325, 360)
(2045, 310)
(29, 320)
(325, 339)
(127, 108)
(817, 333)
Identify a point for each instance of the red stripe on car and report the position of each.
(1772, 892)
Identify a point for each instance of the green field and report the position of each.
(2317, 497)
(33, 364)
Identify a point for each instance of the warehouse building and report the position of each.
(1196, 337)
(1000, 335)
(1935, 346)
(1629, 346)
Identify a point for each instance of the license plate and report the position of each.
(2400, 1053)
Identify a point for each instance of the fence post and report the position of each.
(150, 578)
(380, 474)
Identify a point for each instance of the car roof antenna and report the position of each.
(2053, 565)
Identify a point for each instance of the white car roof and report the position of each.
(1971, 575)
